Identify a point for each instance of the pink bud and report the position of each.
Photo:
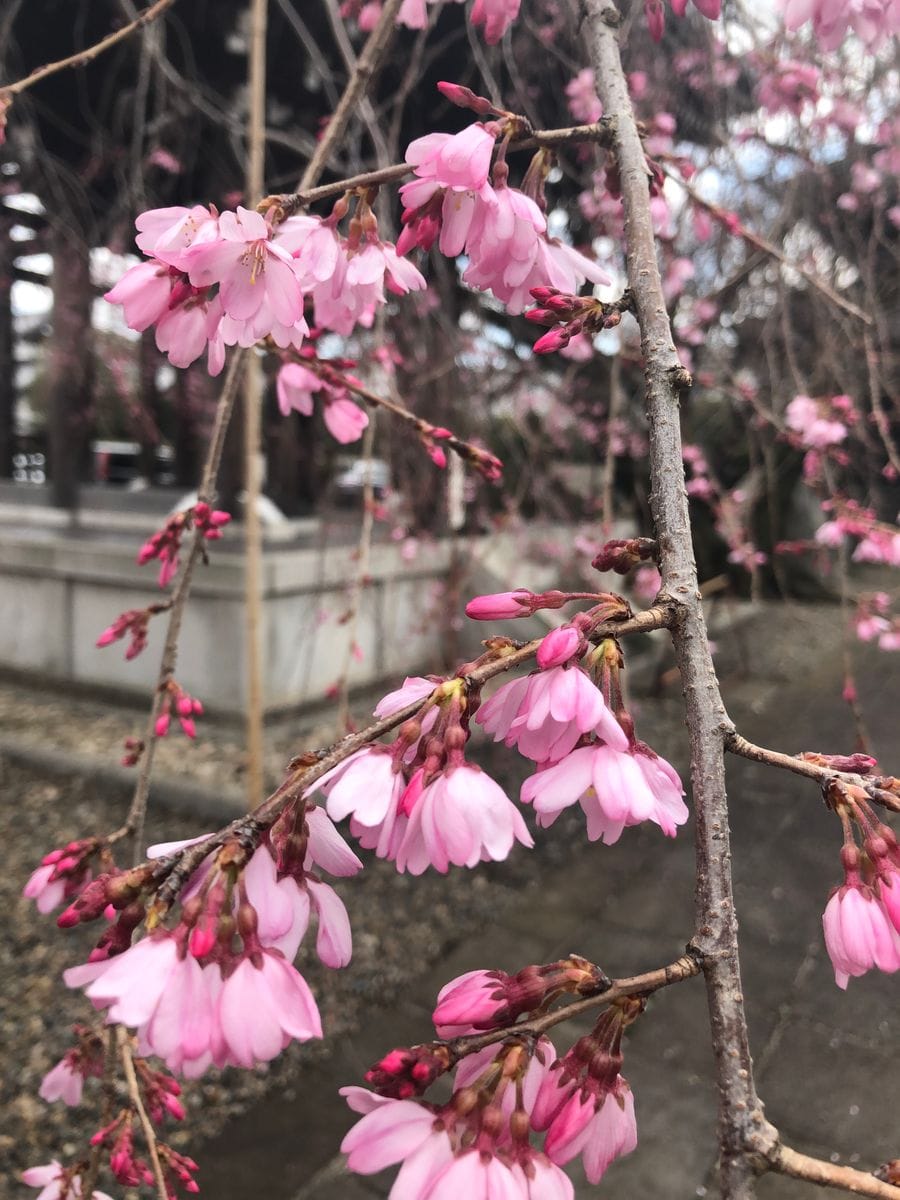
(553, 340)
(464, 97)
(108, 635)
(187, 724)
(185, 706)
(558, 647)
(161, 728)
(499, 606)
(196, 708)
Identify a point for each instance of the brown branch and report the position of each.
(741, 1121)
(685, 967)
(599, 132)
(877, 788)
(134, 1093)
(85, 56)
(786, 1161)
(134, 822)
(466, 450)
(175, 870)
(368, 63)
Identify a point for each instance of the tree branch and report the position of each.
(134, 822)
(134, 1094)
(743, 1130)
(599, 132)
(373, 55)
(685, 967)
(877, 788)
(786, 1161)
(85, 56)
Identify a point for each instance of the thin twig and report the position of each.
(134, 822)
(786, 1161)
(85, 56)
(134, 1093)
(877, 788)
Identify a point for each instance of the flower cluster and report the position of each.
(234, 278)
(458, 201)
(165, 544)
(296, 386)
(133, 624)
(186, 708)
(485, 1138)
(219, 988)
(861, 921)
(418, 802)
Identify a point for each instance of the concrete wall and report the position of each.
(58, 592)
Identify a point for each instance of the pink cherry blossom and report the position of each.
(859, 934)
(168, 233)
(50, 1179)
(296, 385)
(559, 647)
(500, 606)
(46, 891)
(144, 292)
(63, 1082)
(461, 817)
(614, 788)
(263, 1005)
(496, 16)
(344, 420)
(600, 1128)
(459, 161)
(467, 1003)
(544, 715)
(367, 788)
(249, 268)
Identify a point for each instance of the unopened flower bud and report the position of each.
(499, 606)
(559, 646)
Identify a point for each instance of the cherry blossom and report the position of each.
(614, 788)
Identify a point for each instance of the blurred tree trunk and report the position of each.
(70, 366)
(7, 350)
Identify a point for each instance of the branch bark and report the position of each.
(744, 1134)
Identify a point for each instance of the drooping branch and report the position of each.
(83, 57)
(134, 822)
(134, 1095)
(758, 242)
(743, 1130)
